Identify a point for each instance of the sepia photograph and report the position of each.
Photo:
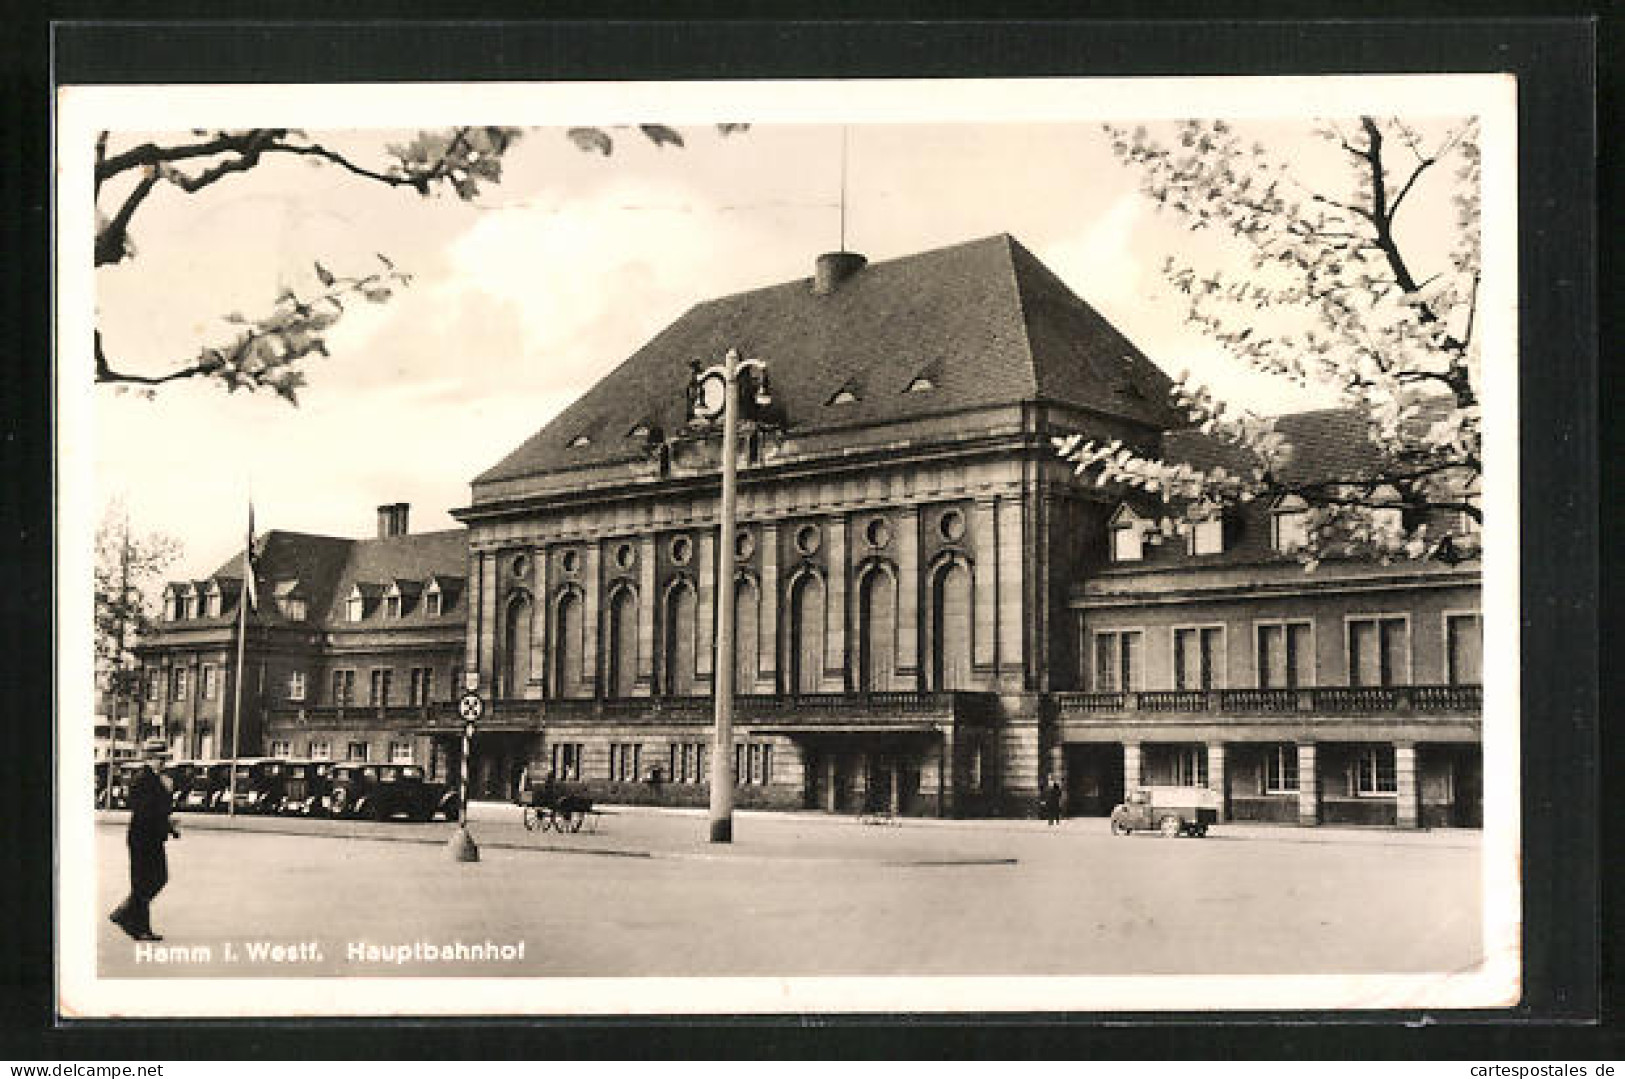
(848, 546)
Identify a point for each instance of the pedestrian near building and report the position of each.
(150, 828)
(1050, 798)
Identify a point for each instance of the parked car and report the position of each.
(304, 787)
(382, 791)
(1171, 811)
(257, 787)
(119, 774)
(205, 785)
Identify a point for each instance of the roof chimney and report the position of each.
(834, 267)
(392, 519)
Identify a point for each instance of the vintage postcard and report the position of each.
(697, 548)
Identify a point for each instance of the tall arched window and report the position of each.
(877, 631)
(746, 632)
(622, 647)
(567, 646)
(950, 627)
(516, 647)
(678, 673)
(807, 634)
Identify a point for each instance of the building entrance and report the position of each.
(1094, 773)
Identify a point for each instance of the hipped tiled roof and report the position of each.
(985, 321)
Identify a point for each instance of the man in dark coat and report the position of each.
(150, 828)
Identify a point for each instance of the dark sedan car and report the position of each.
(383, 791)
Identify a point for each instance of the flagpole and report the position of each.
(243, 595)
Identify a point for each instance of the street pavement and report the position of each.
(794, 895)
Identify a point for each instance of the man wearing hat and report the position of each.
(150, 828)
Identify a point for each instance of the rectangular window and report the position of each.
(422, 685)
(343, 687)
(296, 685)
(177, 684)
(687, 762)
(152, 684)
(1281, 769)
(1290, 530)
(1199, 657)
(400, 752)
(378, 692)
(567, 760)
(354, 608)
(753, 764)
(356, 751)
(1117, 660)
(1464, 649)
(625, 760)
(321, 750)
(281, 747)
(1190, 766)
(1374, 772)
(392, 606)
(208, 679)
(1379, 651)
(433, 604)
(1286, 657)
(293, 609)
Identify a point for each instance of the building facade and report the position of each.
(352, 644)
(934, 612)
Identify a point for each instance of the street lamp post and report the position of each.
(722, 778)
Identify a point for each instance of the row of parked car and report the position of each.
(277, 785)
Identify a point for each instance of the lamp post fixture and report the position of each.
(723, 380)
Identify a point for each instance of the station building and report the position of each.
(933, 612)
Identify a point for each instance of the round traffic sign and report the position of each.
(470, 706)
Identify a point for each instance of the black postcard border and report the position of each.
(1566, 951)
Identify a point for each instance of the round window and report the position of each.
(571, 561)
(744, 545)
(878, 532)
(808, 539)
(952, 526)
(681, 548)
(520, 565)
(625, 556)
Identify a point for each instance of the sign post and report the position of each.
(470, 707)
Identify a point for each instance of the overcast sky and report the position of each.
(526, 297)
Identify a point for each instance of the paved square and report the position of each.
(796, 896)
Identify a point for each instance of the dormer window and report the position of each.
(293, 608)
(1206, 536)
(1389, 516)
(579, 441)
(355, 608)
(211, 601)
(846, 395)
(432, 603)
(183, 603)
(392, 606)
(920, 384)
(1289, 524)
(1128, 535)
(639, 430)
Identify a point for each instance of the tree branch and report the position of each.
(112, 238)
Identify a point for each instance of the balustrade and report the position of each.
(1324, 700)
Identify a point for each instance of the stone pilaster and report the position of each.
(908, 599)
(767, 629)
(705, 580)
(1408, 806)
(591, 620)
(1216, 780)
(835, 675)
(985, 599)
(646, 615)
(1010, 558)
(1131, 765)
(541, 622)
(1308, 785)
(488, 624)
